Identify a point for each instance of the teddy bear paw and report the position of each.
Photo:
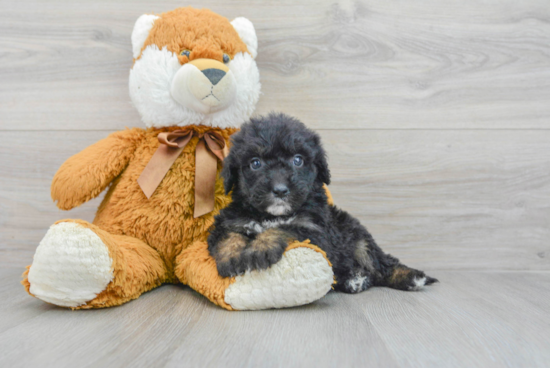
(70, 267)
(302, 276)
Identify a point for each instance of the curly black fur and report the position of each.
(282, 198)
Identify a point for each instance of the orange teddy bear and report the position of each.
(194, 81)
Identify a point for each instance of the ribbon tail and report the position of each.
(156, 169)
(206, 167)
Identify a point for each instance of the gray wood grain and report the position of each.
(342, 64)
(435, 199)
(470, 319)
(437, 123)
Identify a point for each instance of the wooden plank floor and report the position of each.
(471, 319)
(436, 118)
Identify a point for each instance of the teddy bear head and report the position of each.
(192, 66)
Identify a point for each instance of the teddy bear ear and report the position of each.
(246, 32)
(141, 32)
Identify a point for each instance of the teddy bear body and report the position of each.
(164, 222)
(193, 71)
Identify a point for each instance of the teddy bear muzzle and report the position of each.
(204, 85)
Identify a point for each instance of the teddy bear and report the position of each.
(194, 80)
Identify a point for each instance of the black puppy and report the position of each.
(276, 170)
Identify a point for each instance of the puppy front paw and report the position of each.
(229, 255)
(266, 250)
(234, 256)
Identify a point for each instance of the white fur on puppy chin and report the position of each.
(150, 82)
(302, 276)
(70, 267)
(279, 208)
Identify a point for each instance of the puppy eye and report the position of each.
(185, 53)
(298, 161)
(226, 58)
(255, 163)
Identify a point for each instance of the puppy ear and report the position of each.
(323, 172)
(230, 174)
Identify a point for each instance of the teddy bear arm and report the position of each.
(85, 175)
(303, 275)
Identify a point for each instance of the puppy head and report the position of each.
(274, 164)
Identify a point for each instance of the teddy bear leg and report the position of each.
(302, 276)
(81, 266)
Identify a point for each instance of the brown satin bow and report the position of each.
(210, 145)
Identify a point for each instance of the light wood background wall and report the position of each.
(435, 114)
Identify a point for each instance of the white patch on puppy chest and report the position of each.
(268, 224)
(418, 283)
(255, 227)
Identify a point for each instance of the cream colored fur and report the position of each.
(192, 89)
(70, 267)
(300, 277)
(141, 32)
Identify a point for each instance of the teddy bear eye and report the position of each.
(255, 163)
(298, 160)
(185, 53)
(226, 58)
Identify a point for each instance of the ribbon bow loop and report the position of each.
(210, 147)
(176, 139)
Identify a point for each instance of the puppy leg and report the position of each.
(373, 267)
(396, 275)
(359, 274)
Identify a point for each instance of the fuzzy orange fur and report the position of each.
(148, 239)
(203, 32)
(157, 240)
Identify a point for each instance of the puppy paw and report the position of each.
(232, 268)
(234, 256)
(418, 281)
(266, 250)
(229, 254)
(262, 259)
(405, 278)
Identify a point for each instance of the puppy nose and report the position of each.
(280, 190)
(214, 75)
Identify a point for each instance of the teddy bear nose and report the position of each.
(213, 75)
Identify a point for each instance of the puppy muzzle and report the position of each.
(279, 207)
(204, 85)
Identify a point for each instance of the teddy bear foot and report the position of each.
(302, 276)
(70, 267)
